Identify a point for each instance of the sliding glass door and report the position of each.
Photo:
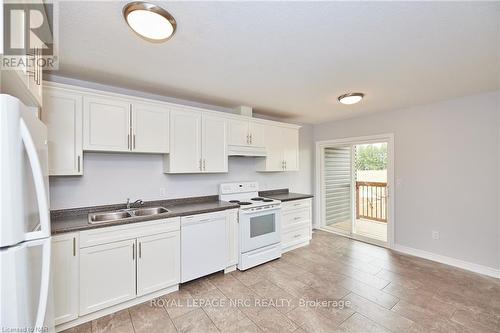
(354, 183)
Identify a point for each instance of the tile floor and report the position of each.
(366, 228)
(333, 285)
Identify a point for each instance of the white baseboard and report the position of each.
(476, 268)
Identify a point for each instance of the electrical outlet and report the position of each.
(163, 192)
(435, 234)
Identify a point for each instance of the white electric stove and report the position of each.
(259, 223)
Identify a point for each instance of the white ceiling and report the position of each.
(292, 59)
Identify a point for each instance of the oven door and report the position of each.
(259, 228)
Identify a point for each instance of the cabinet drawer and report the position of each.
(296, 204)
(127, 231)
(295, 217)
(296, 236)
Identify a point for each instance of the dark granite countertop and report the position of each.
(284, 195)
(76, 219)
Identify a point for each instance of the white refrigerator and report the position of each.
(25, 244)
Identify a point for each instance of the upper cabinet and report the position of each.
(106, 124)
(116, 125)
(282, 149)
(246, 137)
(150, 128)
(193, 140)
(25, 83)
(62, 113)
(185, 142)
(198, 143)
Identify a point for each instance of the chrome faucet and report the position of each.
(138, 201)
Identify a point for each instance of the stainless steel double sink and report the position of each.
(103, 217)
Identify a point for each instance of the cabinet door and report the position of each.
(150, 128)
(185, 142)
(274, 149)
(257, 134)
(106, 124)
(62, 113)
(232, 234)
(107, 275)
(214, 144)
(65, 277)
(238, 132)
(290, 148)
(158, 262)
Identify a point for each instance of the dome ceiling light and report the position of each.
(351, 98)
(149, 21)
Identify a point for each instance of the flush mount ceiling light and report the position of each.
(149, 21)
(351, 98)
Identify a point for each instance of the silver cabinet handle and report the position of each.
(297, 218)
(133, 251)
(204, 164)
(250, 138)
(134, 140)
(140, 250)
(285, 165)
(200, 166)
(296, 236)
(74, 247)
(128, 141)
(78, 163)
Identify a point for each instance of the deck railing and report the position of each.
(371, 201)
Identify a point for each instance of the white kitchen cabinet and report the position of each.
(214, 144)
(185, 142)
(282, 149)
(256, 130)
(158, 262)
(150, 128)
(296, 224)
(106, 124)
(290, 148)
(232, 235)
(246, 137)
(238, 132)
(62, 113)
(198, 143)
(107, 275)
(26, 82)
(65, 274)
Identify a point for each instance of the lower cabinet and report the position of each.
(296, 224)
(232, 234)
(99, 268)
(107, 275)
(158, 262)
(65, 277)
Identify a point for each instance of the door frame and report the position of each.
(319, 176)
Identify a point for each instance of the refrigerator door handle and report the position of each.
(38, 178)
(44, 286)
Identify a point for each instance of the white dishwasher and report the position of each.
(204, 246)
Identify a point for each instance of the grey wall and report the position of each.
(447, 174)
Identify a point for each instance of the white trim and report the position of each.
(319, 190)
(476, 268)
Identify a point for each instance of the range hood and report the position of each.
(251, 151)
(245, 148)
